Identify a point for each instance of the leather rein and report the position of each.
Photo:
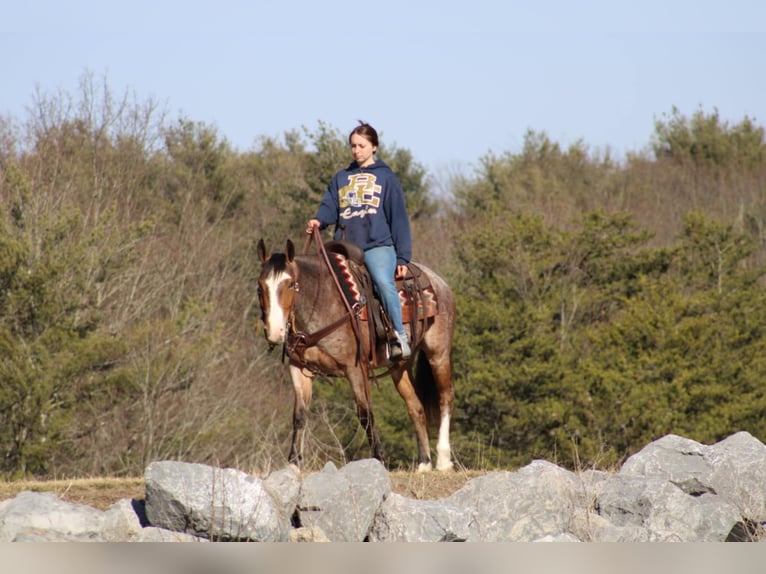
(297, 342)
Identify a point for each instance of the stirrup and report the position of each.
(399, 348)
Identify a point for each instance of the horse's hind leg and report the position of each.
(302, 385)
(360, 386)
(441, 369)
(417, 415)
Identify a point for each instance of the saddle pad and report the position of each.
(426, 299)
(346, 278)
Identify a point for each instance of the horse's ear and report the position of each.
(263, 253)
(290, 250)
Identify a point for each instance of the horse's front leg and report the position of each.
(302, 385)
(360, 385)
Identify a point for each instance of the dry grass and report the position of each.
(97, 492)
(101, 493)
(430, 485)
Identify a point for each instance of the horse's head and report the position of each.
(277, 285)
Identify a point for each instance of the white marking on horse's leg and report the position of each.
(443, 451)
(424, 467)
(276, 320)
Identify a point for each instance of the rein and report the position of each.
(302, 341)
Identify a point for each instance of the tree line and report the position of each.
(602, 303)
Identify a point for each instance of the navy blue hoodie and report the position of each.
(369, 202)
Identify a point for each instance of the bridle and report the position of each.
(296, 342)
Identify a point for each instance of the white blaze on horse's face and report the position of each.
(277, 292)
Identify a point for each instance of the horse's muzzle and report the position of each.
(273, 340)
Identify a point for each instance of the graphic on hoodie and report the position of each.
(367, 207)
(360, 197)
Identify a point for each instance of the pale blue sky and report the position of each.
(448, 80)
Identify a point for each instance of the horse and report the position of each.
(303, 310)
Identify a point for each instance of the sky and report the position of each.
(452, 81)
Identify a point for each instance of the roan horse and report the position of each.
(303, 309)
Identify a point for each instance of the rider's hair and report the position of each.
(366, 131)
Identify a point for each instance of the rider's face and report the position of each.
(362, 150)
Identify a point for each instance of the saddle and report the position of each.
(416, 294)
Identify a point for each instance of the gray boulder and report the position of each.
(220, 504)
(679, 460)
(284, 486)
(739, 474)
(663, 510)
(343, 503)
(733, 469)
(674, 489)
(402, 519)
(33, 516)
(122, 522)
(536, 501)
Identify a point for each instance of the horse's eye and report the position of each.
(291, 285)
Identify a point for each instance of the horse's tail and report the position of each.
(425, 388)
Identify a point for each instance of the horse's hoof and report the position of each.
(424, 467)
(444, 466)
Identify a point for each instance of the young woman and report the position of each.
(366, 204)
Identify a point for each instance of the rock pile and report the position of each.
(675, 489)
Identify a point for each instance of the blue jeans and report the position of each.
(381, 263)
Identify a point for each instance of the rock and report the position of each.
(664, 510)
(734, 468)
(219, 504)
(154, 534)
(31, 514)
(304, 534)
(402, 519)
(343, 503)
(522, 506)
(122, 522)
(284, 486)
(676, 459)
(739, 474)
(674, 489)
